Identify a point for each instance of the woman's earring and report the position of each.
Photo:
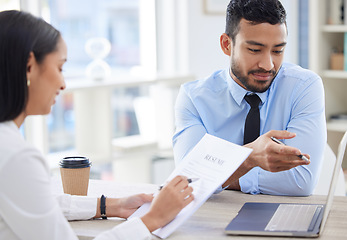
(28, 82)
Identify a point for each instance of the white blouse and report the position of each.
(28, 209)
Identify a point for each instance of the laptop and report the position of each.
(287, 219)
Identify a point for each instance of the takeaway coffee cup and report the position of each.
(75, 175)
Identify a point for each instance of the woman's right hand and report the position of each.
(172, 198)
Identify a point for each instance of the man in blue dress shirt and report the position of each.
(291, 107)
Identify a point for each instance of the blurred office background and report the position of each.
(124, 120)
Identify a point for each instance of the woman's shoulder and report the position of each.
(14, 146)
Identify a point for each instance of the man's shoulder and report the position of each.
(294, 71)
(215, 82)
(293, 79)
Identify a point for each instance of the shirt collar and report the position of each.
(11, 124)
(238, 92)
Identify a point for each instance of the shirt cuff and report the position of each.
(249, 182)
(220, 189)
(77, 207)
(132, 229)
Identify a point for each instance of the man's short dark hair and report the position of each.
(20, 34)
(255, 11)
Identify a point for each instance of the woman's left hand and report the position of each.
(126, 206)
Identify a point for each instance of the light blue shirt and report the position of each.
(294, 102)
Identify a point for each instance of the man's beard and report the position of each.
(246, 81)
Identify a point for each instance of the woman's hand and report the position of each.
(128, 205)
(172, 198)
(123, 207)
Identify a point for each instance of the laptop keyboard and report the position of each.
(292, 217)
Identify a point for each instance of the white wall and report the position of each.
(205, 55)
(292, 53)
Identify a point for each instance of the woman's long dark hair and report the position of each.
(20, 34)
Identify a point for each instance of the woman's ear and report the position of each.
(31, 66)
(225, 43)
(31, 61)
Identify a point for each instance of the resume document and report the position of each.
(213, 160)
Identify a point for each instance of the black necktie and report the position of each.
(252, 123)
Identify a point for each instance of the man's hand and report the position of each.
(272, 156)
(268, 155)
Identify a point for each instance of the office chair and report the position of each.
(324, 180)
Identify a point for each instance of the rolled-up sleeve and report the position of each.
(308, 122)
(77, 207)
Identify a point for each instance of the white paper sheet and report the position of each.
(213, 160)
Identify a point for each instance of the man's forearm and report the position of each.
(233, 180)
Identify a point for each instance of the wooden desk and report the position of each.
(211, 219)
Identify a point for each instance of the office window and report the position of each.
(9, 4)
(79, 21)
(126, 117)
(61, 124)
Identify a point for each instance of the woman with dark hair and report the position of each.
(32, 54)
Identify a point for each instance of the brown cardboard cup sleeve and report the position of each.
(74, 173)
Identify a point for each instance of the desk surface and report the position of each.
(209, 221)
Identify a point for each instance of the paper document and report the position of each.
(213, 160)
